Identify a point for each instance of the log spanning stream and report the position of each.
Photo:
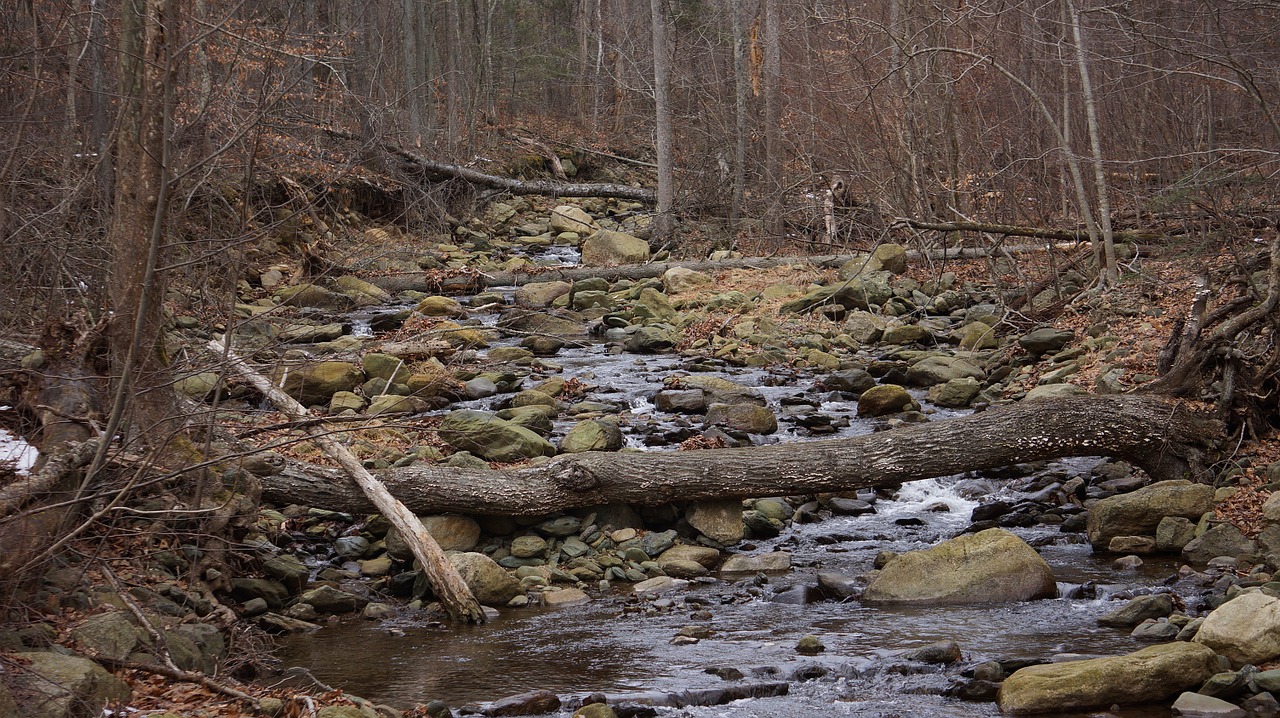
(623, 647)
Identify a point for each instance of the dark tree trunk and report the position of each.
(1165, 439)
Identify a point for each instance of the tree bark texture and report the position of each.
(1163, 438)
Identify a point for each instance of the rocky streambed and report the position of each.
(919, 601)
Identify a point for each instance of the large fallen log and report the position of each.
(1165, 439)
(443, 577)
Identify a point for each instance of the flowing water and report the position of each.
(622, 647)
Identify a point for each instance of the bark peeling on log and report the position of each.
(1161, 437)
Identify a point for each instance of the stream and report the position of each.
(622, 646)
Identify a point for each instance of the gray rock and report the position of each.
(1045, 340)
(1173, 533)
(592, 435)
(528, 547)
(957, 393)
(452, 531)
(491, 438)
(750, 418)
(351, 546)
(561, 526)
(723, 391)
(838, 585)
(656, 543)
(531, 703)
(766, 562)
(1138, 610)
(885, 399)
(660, 585)
(1146, 676)
(1139, 513)
(1221, 540)
(850, 381)
(681, 401)
(991, 566)
(606, 247)
(1195, 705)
(316, 383)
(52, 685)
(107, 634)
(273, 592)
(1245, 629)
(327, 599)
(488, 581)
(1155, 630)
(935, 369)
(720, 521)
(942, 652)
(650, 340)
(1054, 391)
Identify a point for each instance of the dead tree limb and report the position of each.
(444, 170)
(1012, 230)
(1164, 438)
(445, 580)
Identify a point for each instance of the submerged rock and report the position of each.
(991, 566)
(1146, 676)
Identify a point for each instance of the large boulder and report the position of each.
(1138, 513)
(991, 566)
(567, 218)
(1245, 629)
(317, 383)
(1220, 540)
(494, 439)
(1152, 674)
(681, 279)
(489, 582)
(867, 289)
(452, 531)
(606, 247)
(109, 635)
(51, 685)
(936, 369)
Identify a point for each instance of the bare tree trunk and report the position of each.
(1165, 439)
(741, 89)
(1108, 272)
(665, 143)
(136, 232)
(773, 114)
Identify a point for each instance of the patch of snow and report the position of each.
(13, 450)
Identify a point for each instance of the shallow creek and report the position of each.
(604, 647)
